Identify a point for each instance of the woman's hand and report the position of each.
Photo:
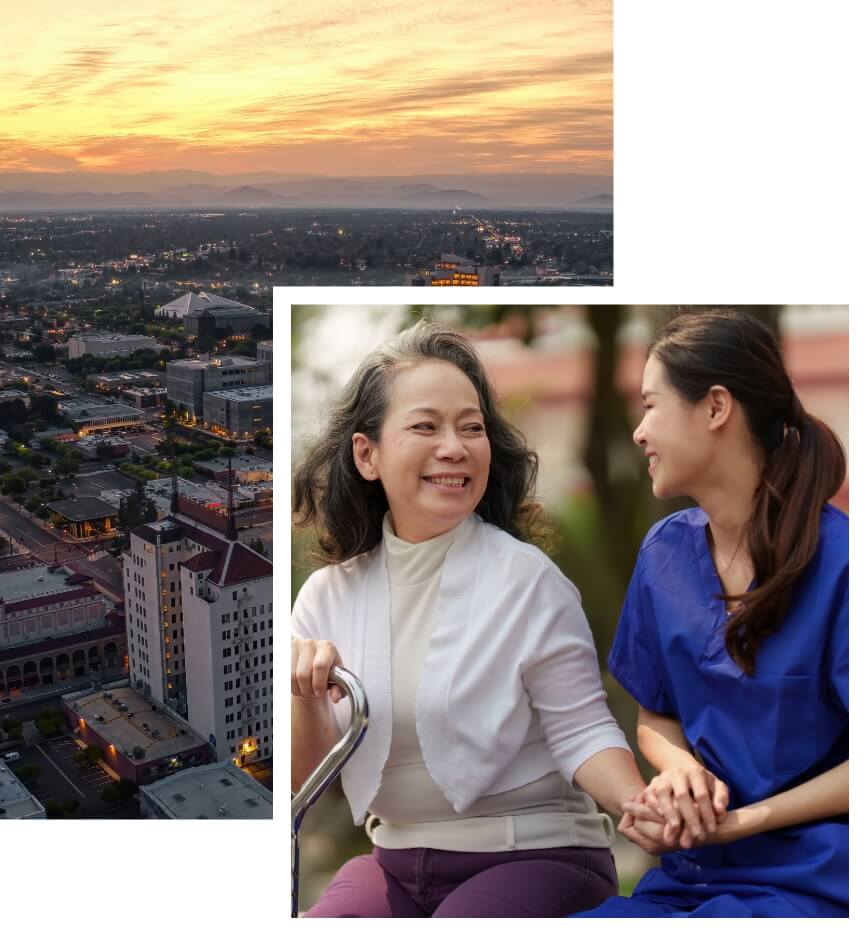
(312, 662)
(646, 833)
(691, 801)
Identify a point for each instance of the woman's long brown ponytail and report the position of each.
(804, 460)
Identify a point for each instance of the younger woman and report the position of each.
(734, 636)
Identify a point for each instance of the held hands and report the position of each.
(312, 662)
(679, 809)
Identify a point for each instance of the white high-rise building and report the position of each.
(230, 650)
(154, 607)
(186, 586)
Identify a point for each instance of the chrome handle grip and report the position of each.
(327, 771)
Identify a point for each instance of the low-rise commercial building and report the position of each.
(108, 345)
(114, 383)
(84, 517)
(145, 397)
(16, 801)
(239, 413)
(213, 791)
(52, 435)
(88, 417)
(208, 502)
(245, 468)
(55, 626)
(103, 446)
(140, 739)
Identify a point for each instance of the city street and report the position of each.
(46, 545)
(34, 537)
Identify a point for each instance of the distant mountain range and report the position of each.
(187, 189)
(601, 202)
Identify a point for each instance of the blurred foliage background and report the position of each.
(569, 377)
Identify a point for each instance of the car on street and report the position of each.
(11, 757)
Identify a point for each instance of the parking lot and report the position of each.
(89, 779)
(62, 779)
(93, 483)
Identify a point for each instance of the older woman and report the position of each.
(490, 737)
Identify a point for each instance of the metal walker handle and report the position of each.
(329, 768)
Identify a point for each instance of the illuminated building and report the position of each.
(199, 618)
(452, 270)
(95, 417)
(114, 383)
(154, 614)
(188, 381)
(140, 740)
(239, 413)
(55, 626)
(229, 641)
(84, 517)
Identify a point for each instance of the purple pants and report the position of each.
(428, 882)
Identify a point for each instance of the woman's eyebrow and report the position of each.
(431, 410)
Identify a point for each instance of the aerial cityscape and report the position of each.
(155, 186)
(136, 621)
(83, 257)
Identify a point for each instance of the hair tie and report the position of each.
(775, 434)
(796, 413)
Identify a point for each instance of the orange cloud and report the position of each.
(378, 88)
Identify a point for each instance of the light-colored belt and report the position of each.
(497, 833)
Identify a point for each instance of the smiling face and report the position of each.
(433, 454)
(674, 434)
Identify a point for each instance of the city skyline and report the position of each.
(331, 90)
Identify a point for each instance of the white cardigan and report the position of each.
(510, 689)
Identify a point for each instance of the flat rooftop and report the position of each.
(113, 339)
(134, 728)
(235, 360)
(127, 376)
(244, 394)
(83, 508)
(239, 463)
(16, 801)
(84, 411)
(212, 791)
(35, 582)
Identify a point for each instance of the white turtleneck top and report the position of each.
(412, 812)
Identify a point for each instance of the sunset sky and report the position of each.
(307, 86)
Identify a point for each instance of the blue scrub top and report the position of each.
(761, 734)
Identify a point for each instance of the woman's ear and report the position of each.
(720, 406)
(364, 453)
